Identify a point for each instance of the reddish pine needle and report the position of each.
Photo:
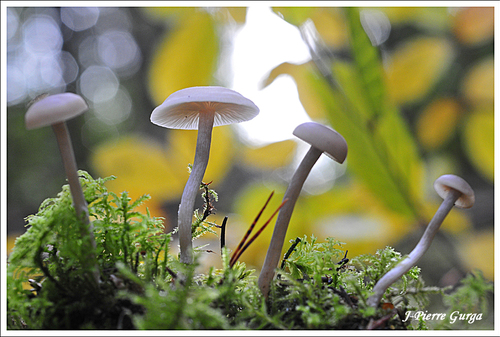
(249, 231)
(255, 235)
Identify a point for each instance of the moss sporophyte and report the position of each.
(144, 286)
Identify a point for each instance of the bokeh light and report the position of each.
(79, 18)
(41, 35)
(115, 110)
(119, 51)
(98, 84)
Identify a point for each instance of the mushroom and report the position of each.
(199, 108)
(322, 140)
(55, 110)
(455, 191)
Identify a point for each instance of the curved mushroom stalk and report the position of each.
(322, 140)
(199, 108)
(186, 207)
(456, 192)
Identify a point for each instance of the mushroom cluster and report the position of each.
(203, 108)
(200, 108)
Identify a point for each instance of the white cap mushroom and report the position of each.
(55, 110)
(199, 108)
(322, 140)
(445, 184)
(455, 191)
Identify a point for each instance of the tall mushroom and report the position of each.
(322, 140)
(55, 110)
(199, 108)
(455, 191)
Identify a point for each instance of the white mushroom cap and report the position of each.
(323, 138)
(446, 182)
(181, 109)
(54, 109)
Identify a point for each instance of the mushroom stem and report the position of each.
(69, 162)
(292, 193)
(79, 202)
(186, 207)
(405, 265)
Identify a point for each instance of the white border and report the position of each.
(3, 155)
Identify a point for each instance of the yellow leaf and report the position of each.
(271, 156)
(401, 14)
(309, 98)
(479, 141)
(185, 58)
(140, 166)
(363, 233)
(478, 251)
(437, 123)
(353, 215)
(331, 26)
(416, 66)
(478, 85)
(182, 147)
(474, 25)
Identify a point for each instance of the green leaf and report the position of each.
(382, 152)
(367, 62)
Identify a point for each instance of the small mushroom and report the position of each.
(199, 108)
(455, 191)
(322, 140)
(55, 110)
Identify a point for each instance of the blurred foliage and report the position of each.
(445, 99)
(421, 62)
(413, 106)
(193, 42)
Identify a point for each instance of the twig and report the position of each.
(289, 252)
(209, 208)
(223, 234)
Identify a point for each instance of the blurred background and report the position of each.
(410, 89)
